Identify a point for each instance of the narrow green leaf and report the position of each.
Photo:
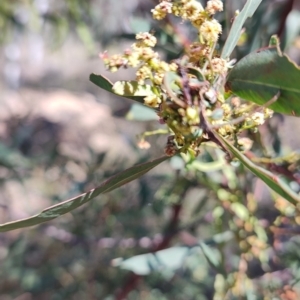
(107, 85)
(62, 208)
(270, 179)
(102, 82)
(235, 31)
(259, 76)
(140, 112)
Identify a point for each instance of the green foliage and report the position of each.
(261, 75)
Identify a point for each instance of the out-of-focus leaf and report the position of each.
(86, 36)
(201, 165)
(173, 258)
(140, 24)
(62, 208)
(212, 255)
(11, 158)
(259, 76)
(140, 112)
(144, 264)
(206, 166)
(270, 179)
(292, 25)
(107, 85)
(60, 26)
(177, 163)
(235, 31)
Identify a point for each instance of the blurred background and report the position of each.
(61, 135)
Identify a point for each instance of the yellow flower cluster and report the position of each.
(214, 6)
(161, 10)
(218, 66)
(140, 52)
(185, 93)
(209, 31)
(192, 10)
(235, 111)
(145, 39)
(146, 60)
(184, 123)
(152, 100)
(198, 52)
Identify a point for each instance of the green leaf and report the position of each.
(107, 85)
(139, 24)
(140, 112)
(62, 208)
(132, 88)
(144, 264)
(173, 258)
(196, 72)
(102, 82)
(259, 76)
(212, 255)
(235, 31)
(270, 179)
